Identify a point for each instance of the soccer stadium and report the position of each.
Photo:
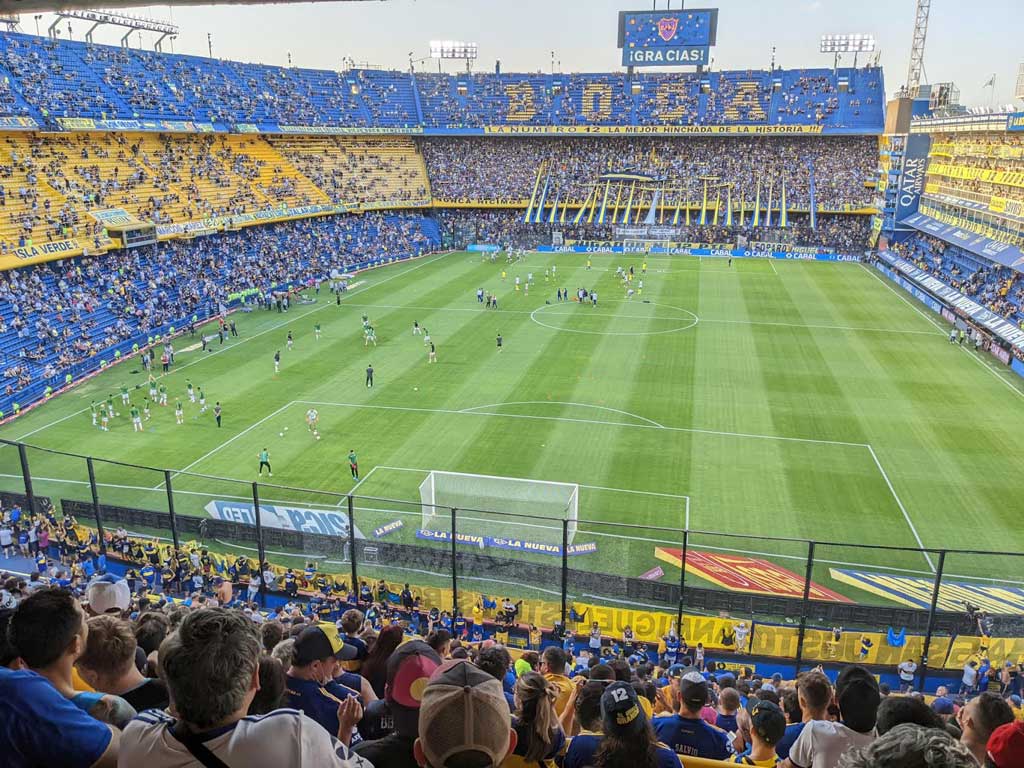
(665, 414)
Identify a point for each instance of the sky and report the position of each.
(967, 42)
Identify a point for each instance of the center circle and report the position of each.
(688, 321)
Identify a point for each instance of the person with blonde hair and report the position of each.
(539, 735)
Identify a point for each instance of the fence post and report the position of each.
(565, 568)
(682, 584)
(96, 505)
(455, 577)
(26, 477)
(260, 550)
(923, 675)
(170, 508)
(809, 574)
(352, 542)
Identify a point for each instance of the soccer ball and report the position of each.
(415, 389)
(286, 429)
(280, 434)
(318, 437)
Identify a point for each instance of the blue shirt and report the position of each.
(692, 737)
(319, 702)
(726, 722)
(40, 727)
(788, 739)
(581, 750)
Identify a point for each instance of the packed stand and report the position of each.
(101, 669)
(360, 171)
(995, 287)
(62, 318)
(841, 234)
(54, 79)
(487, 170)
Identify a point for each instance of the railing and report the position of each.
(796, 591)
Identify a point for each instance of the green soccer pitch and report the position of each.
(788, 399)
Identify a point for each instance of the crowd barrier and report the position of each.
(351, 539)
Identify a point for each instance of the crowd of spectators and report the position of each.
(57, 79)
(105, 672)
(506, 169)
(842, 234)
(359, 170)
(995, 287)
(60, 314)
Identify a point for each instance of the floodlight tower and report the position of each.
(924, 8)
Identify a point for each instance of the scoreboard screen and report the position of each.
(667, 38)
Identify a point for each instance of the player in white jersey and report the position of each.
(312, 419)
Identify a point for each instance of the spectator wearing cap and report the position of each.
(539, 737)
(685, 732)
(409, 670)
(552, 665)
(767, 726)
(979, 718)
(1005, 747)
(625, 740)
(108, 664)
(39, 725)
(814, 694)
(211, 667)
(464, 720)
(910, 746)
(311, 684)
(823, 741)
(108, 594)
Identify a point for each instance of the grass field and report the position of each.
(790, 399)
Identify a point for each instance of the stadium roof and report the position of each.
(44, 6)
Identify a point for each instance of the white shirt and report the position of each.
(821, 743)
(5, 537)
(285, 737)
(907, 670)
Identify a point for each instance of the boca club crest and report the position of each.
(667, 27)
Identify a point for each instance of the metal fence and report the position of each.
(556, 563)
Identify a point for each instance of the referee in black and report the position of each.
(369, 376)
(216, 414)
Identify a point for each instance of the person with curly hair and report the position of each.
(910, 746)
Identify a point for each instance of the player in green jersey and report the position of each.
(124, 394)
(163, 395)
(265, 462)
(190, 390)
(316, 331)
(95, 412)
(179, 412)
(136, 419)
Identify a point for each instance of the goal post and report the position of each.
(491, 505)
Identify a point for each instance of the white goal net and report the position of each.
(529, 509)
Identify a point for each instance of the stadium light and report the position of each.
(453, 49)
(840, 44)
(847, 43)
